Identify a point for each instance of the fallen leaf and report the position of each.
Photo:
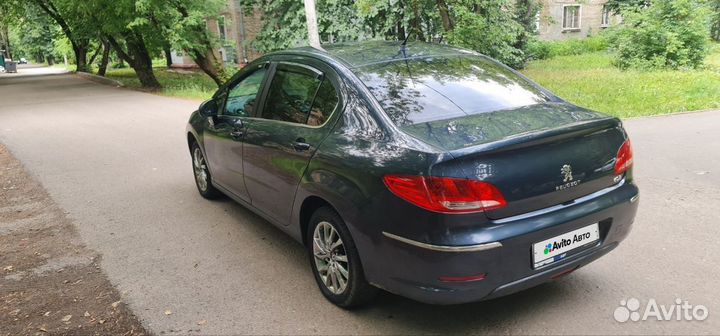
(115, 304)
(87, 314)
(66, 318)
(168, 312)
(201, 322)
(43, 329)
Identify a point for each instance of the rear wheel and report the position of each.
(202, 173)
(335, 261)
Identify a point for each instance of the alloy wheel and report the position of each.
(200, 169)
(331, 259)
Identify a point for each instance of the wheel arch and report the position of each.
(309, 205)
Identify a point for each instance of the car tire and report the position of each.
(201, 172)
(340, 262)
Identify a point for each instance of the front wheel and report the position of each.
(202, 173)
(335, 261)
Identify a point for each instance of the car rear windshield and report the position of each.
(414, 91)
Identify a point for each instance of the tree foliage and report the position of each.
(34, 36)
(498, 28)
(714, 7)
(667, 34)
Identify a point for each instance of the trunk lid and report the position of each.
(538, 156)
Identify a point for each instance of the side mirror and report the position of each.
(208, 108)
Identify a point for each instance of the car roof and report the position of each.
(359, 54)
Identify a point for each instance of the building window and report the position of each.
(571, 17)
(605, 22)
(221, 27)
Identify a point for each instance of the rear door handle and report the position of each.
(300, 145)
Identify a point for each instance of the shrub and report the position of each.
(550, 49)
(668, 34)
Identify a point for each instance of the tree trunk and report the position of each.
(208, 64)
(102, 70)
(168, 56)
(81, 59)
(417, 22)
(95, 55)
(204, 56)
(7, 42)
(80, 46)
(447, 22)
(139, 59)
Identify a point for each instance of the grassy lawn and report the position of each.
(194, 85)
(589, 80)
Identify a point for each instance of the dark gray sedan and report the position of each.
(428, 171)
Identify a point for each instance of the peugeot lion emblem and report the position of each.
(566, 171)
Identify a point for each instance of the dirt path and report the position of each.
(49, 282)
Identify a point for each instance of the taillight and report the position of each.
(445, 194)
(624, 159)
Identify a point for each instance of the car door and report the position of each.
(296, 116)
(224, 132)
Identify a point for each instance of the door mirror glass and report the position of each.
(208, 108)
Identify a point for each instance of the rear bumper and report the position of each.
(503, 251)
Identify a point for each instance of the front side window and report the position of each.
(571, 17)
(300, 96)
(241, 100)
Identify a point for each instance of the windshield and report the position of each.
(436, 88)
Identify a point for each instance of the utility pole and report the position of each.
(311, 16)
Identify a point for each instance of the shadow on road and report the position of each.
(494, 316)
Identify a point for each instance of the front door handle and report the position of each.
(300, 145)
(238, 129)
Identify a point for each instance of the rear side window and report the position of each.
(436, 88)
(325, 102)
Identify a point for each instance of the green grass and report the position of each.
(195, 85)
(590, 80)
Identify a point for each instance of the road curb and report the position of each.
(99, 79)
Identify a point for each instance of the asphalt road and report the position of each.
(117, 162)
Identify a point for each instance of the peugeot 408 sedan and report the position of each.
(432, 172)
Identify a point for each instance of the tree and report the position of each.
(128, 32)
(498, 28)
(183, 25)
(618, 6)
(73, 24)
(668, 34)
(490, 28)
(526, 13)
(35, 35)
(714, 6)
